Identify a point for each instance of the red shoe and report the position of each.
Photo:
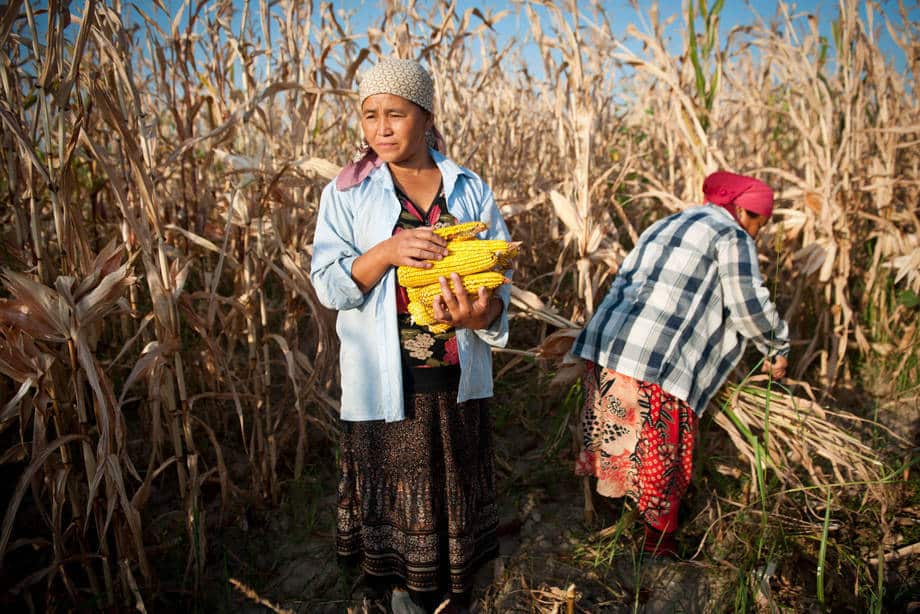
(660, 544)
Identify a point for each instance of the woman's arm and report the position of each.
(750, 309)
(334, 252)
(495, 331)
(414, 247)
(341, 273)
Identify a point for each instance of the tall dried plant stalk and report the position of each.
(162, 174)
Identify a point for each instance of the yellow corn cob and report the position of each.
(463, 257)
(471, 283)
(460, 232)
(422, 317)
(461, 263)
(503, 262)
(420, 314)
(506, 258)
(505, 252)
(461, 246)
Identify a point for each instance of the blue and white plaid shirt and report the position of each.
(683, 305)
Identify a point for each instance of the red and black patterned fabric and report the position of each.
(430, 361)
(638, 442)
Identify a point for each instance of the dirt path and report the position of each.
(548, 554)
(287, 555)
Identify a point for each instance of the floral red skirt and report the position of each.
(638, 442)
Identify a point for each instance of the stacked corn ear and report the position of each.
(478, 261)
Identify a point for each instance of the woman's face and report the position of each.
(395, 127)
(751, 222)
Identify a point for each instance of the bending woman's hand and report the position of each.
(454, 306)
(776, 368)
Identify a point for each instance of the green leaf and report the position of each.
(909, 299)
(712, 30)
(691, 18)
(700, 78)
(713, 86)
(822, 550)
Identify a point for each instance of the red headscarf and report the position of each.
(729, 191)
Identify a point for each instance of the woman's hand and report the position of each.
(416, 247)
(776, 368)
(454, 306)
(407, 247)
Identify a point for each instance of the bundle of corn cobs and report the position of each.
(479, 262)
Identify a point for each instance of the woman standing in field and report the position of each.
(416, 496)
(673, 325)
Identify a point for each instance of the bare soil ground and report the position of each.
(550, 556)
(288, 555)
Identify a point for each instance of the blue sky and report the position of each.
(621, 14)
(735, 12)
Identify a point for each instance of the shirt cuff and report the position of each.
(497, 333)
(350, 291)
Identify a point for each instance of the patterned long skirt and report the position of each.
(638, 442)
(416, 498)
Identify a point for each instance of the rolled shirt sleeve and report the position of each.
(334, 253)
(750, 310)
(497, 334)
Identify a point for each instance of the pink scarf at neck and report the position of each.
(355, 172)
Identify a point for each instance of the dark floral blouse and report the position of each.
(430, 361)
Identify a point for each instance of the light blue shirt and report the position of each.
(351, 222)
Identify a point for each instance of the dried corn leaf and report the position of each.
(37, 464)
(41, 302)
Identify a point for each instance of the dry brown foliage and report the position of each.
(161, 174)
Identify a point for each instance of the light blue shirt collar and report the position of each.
(450, 172)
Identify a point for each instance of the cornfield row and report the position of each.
(161, 173)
